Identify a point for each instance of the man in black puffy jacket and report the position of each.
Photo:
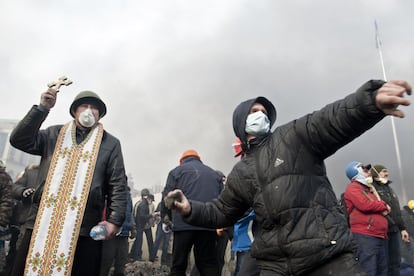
(283, 177)
(81, 172)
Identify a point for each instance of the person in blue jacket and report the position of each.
(243, 237)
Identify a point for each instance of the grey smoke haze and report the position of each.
(171, 72)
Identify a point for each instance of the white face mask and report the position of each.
(382, 180)
(86, 118)
(257, 123)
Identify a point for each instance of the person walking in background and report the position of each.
(407, 248)
(6, 199)
(143, 215)
(22, 190)
(396, 226)
(367, 219)
(199, 182)
(161, 237)
(283, 178)
(223, 236)
(115, 251)
(155, 216)
(81, 166)
(6, 209)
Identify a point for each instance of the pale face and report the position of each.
(383, 173)
(83, 107)
(367, 173)
(257, 107)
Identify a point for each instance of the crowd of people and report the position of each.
(276, 206)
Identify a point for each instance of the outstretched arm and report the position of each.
(335, 125)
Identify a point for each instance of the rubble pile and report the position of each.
(144, 268)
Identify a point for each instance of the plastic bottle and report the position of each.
(98, 232)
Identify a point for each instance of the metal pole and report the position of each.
(394, 131)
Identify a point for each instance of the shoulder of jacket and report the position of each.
(110, 138)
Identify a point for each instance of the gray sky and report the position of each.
(171, 72)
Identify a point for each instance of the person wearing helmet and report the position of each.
(199, 182)
(144, 214)
(283, 177)
(81, 172)
(407, 248)
(367, 219)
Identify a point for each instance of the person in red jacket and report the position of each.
(367, 219)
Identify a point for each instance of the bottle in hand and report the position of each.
(98, 232)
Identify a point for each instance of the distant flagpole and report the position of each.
(394, 131)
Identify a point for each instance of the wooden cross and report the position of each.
(61, 81)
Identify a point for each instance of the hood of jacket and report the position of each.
(242, 111)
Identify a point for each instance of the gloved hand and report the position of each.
(167, 227)
(133, 234)
(26, 193)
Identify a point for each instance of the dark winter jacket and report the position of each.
(395, 222)
(6, 199)
(283, 177)
(142, 214)
(108, 180)
(128, 224)
(198, 182)
(365, 211)
(28, 180)
(243, 233)
(406, 247)
(408, 217)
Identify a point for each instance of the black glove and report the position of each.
(28, 192)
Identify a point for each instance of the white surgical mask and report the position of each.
(86, 118)
(257, 123)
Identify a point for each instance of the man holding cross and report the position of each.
(81, 173)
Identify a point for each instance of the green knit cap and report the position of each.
(376, 169)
